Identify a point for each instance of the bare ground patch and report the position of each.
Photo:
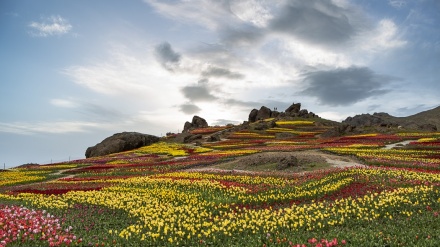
(269, 161)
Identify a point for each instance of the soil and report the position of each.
(307, 161)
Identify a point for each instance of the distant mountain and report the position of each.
(427, 120)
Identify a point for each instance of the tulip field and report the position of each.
(153, 196)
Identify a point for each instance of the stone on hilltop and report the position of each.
(264, 113)
(293, 109)
(121, 142)
(197, 122)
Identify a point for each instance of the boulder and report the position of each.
(264, 125)
(275, 114)
(303, 113)
(343, 129)
(192, 138)
(197, 122)
(253, 115)
(293, 109)
(187, 137)
(263, 113)
(214, 138)
(368, 120)
(121, 142)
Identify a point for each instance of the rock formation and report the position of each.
(342, 129)
(264, 113)
(292, 111)
(368, 120)
(197, 122)
(121, 142)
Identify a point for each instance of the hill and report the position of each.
(426, 121)
(272, 181)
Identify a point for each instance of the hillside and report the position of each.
(271, 181)
(427, 120)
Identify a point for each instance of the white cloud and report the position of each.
(252, 11)
(63, 103)
(397, 3)
(214, 15)
(335, 116)
(55, 127)
(384, 37)
(130, 77)
(53, 25)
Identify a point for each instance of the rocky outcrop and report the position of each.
(253, 116)
(422, 127)
(120, 142)
(343, 129)
(187, 137)
(264, 113)
(293, 109)
(264, 125)
(368, 120)
(197, 122)
(214, 138)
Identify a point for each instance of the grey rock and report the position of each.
(293, 109)
(264, 125)
(214, 138)
(121, 142)
(197, 122)
(253, 115)
(263, 113)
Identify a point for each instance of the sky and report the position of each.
(74, 72)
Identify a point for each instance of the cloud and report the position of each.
(120, 74)
(408, 111)
(212, 16)
(397, 3)
(64, 103)
(189, 109)
(53, 25)
(55, 127)
(244, 36)
(240, 103)
(385, 36)
(223, 122)
(166, 56)
(316, 21)
(198, 93)
(345, 86)
(213, 71)
(373, 107)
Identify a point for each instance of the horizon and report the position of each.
(77, 72)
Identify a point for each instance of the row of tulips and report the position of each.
(191, 208)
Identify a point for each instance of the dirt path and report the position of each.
(402, 143)
(246, 164)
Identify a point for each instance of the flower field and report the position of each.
(148, 197)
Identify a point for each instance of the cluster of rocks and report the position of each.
(292, 111)
(121, 142)
(197, 122)
(367, 120)
(385, 120)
